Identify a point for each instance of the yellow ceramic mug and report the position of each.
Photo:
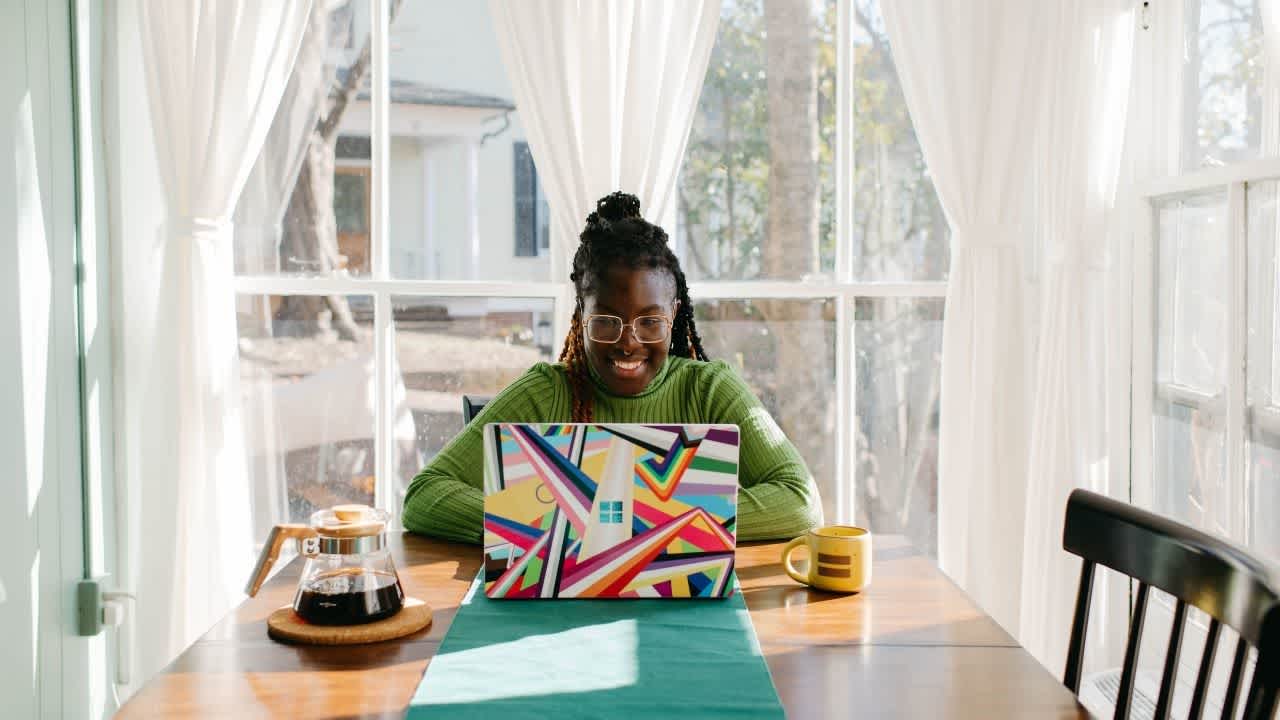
(839, 558)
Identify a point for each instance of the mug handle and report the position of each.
(786, 560)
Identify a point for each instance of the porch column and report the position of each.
(471, 206)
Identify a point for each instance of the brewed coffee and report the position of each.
(349, 596)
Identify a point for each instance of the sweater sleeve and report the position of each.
(778, 497)
(446, 499)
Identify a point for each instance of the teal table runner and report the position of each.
(598, 658)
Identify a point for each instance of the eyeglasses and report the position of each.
(646, 328)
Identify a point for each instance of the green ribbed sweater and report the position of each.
(777, 499)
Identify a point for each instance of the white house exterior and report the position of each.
(455, 137)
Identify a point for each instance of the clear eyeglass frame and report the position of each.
(643, 327)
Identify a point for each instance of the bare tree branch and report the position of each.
(328, 126)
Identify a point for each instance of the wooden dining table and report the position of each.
(910, 645)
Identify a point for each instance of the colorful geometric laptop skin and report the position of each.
(610, 511)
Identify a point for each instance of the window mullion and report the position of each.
(385, 460)
(846, 390)
(781, 289)
(384, 339)
(844, 160)
(380, 138)
(1237, 338)
(846, 411)
(1142, 362)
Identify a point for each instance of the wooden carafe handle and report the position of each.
(271, 551)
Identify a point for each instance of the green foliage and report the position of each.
(899, 231)
(724, 187)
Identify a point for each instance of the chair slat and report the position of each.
(1079, 628)
(1233, 684)
(1171, 662)
(1261, 702)
(1124, 698)
(1206, 669)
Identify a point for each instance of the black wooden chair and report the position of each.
(472, 405)
(1199, 570)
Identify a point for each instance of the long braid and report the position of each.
(685, 341)
(574, 357)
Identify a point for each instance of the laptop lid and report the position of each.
(609, 510)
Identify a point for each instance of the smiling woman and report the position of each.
(633, 355)
(624, 265)
(627, 361)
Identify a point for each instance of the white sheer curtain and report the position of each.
(974, 74)
(215, 74)
(261, 207)
(607, 93)
(1091, 46)
(259, 218)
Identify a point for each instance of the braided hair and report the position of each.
(616, 235)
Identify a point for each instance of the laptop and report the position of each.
(609, 511)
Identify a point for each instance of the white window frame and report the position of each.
(844, 290)
(1235, 179)
(1160, 48)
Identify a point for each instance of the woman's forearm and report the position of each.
(440, 506)
(778, 507)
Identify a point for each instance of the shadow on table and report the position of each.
(766, 597)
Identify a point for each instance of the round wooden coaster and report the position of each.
(286, 626)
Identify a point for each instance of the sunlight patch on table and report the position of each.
(586, 659)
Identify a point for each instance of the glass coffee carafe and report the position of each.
(348, 576)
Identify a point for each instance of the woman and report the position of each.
(633, 355)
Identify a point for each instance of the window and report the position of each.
(533, 216)
(1262, 373)
(1205, 442)
(1203, 434)
(357, 341)
(842, 292)
(448, 346)
(1223, 81)
(402, 260)
(305, 402)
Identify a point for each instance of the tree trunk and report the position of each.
(791, 248)
(310, 246)
(310, 243)
(790, 251)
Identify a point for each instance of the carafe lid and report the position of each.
(349, 521)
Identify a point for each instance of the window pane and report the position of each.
(785, 350)
(899, 230)
(1263, 483)
(305, 209)
(1191, 282)
(757, 198)
(898, 350)
(753, 203)
(1189, 465)
(1223, 70)
(1264, 495)
(450, 347)
(307, 395)
(1189, 450)
(465, 199)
